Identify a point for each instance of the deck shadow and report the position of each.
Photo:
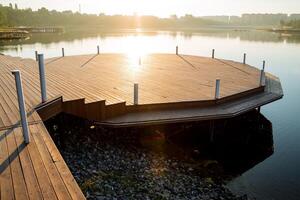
(13, 155)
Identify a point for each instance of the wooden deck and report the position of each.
(172, 88)
(36, 170)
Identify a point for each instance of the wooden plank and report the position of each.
(95, 111)
(50, 108)
(19, 185)
(42, 176)
(54, 175)
(74, 107)
(6, 188)
(33, 188)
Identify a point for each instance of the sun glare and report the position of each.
(136, 50)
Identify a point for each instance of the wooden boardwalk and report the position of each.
(36, 170)
(172, 88)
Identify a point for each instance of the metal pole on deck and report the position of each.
(176, 50)
(217, 92)
(136, 94)
(63, 52)
(262, 74)
(21, 103)
(42, 78)
(244, 59)
(36, 56)
(98, 50)
(213, 53)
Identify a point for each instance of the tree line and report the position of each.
(11, 16)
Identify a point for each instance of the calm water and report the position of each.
(278, 176)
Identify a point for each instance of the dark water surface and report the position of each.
(276, 177)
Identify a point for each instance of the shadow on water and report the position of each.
(235, 146)
(225, 148)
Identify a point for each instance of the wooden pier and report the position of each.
(113, 90)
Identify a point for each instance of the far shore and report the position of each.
(11, 33)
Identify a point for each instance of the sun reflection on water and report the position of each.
(136, 50)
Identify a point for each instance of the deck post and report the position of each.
(36, 56)
(21, 103)
(63, 52)
(42, 78)
(136, 94)
(140, 60)
(244, 59)
(262, 74)
(217, 92)
(98, 50)
(213, 54)
(176, 50)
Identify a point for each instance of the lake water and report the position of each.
(278, 176)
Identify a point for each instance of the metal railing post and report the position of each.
(262, 74)
(63, 52)
(244, 59)
(176, 50)
(21, 103)
(42, 78)
(98, 50)
(213, 54)
(36, 56)
(217, 92)
(136, 94)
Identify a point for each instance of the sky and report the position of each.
(164, 8)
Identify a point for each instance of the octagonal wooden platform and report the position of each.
(172, 88)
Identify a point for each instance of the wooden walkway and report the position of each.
(172, 88)
(36, 170)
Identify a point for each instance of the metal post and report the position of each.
(136, 94)
(217, 93)
(140, 60)
(63, 52)
(42, 78)
(261, 80)
(244, 60)
(36, 56)
(213, 53)
(22, 108)
(262, 74)
(176, 50)
(98, 50)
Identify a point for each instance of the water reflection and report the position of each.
(138, 37)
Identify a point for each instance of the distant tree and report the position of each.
(10, 5)
(173, 17)
(3, 19)
(16, 6)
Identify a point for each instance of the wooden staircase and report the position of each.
(96, 111)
